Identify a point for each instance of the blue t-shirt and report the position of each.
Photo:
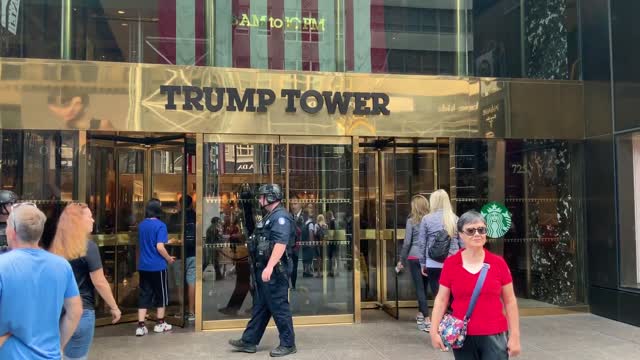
(151, 232)
(33, 286)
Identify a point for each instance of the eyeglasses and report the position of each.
(472, 231)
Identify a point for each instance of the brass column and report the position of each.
(340, 40)
(199, 224)
(355, 230)
(65, 29)
(210, 26)
(81, 196)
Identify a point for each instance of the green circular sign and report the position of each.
(498, 219)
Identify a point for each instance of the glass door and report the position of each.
(124, 174)
(234, 168)
(390, 175)
(168, 183)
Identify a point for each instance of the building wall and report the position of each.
(610, 87)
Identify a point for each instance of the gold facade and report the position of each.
(126, 97)
(35, 94)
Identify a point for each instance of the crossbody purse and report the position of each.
(453, 331)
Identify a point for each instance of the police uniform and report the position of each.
(7, 198)
(4, 246)
(270, 299)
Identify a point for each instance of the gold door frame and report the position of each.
(124, 238)
(383, 235)
(212, 325)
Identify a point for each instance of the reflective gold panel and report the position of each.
(48, 94)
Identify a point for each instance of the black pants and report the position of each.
(243, 283)
(433, 276)
(421, 283)
(294, 268)
(270, 299)
(489, 347)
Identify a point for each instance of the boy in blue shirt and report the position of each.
(152, 267)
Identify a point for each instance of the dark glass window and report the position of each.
(30, 29)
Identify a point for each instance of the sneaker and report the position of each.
(162, 327)
(427, 327)
(142, 331)
(191, 317)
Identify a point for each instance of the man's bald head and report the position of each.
(25, 225)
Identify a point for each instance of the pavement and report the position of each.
(575, 336)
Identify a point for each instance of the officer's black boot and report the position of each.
(242, 346)
(283, 351)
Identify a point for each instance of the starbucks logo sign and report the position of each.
(498, 219)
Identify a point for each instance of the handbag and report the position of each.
(453, 331)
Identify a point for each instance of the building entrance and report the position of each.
(392, 171)
(124, 173)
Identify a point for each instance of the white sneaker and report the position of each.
(163, 327)
(142, 331)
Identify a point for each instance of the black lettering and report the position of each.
(266, 97)
(208, 91)
(305, 105)
(340, 100)
(235, 103)
(361, 104)
(290, 94)
(191, 101)
(380, 107)
(170, 90)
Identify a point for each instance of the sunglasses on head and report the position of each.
(472, 231)
(26, 203)
(17, 205)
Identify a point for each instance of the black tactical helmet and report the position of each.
(271, 192)
(7, 198)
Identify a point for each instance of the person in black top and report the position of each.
(71, 242)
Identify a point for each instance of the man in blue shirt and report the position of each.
(35, 286)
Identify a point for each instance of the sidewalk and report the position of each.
(580, 337)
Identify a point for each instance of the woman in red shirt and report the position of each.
(490, 334)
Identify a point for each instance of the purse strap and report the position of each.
(476, 290)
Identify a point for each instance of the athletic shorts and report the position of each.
(154, 289)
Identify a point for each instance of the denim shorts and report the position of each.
(78, 346)
(191, 270)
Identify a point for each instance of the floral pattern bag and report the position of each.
(452, 330)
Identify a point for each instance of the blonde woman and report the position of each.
(411, 253)
(72, 242)
(441, 218)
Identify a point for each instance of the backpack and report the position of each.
(321, 232)
(439, 250)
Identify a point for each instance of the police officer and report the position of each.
(269, 250)
(7, 199)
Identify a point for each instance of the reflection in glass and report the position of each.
(39, 166)
(320, 192)
(415, 175)
(101, 187)
(145, 31)
(131, 189)
(32, 30)
(628, 153)
(232, 175)
(539, 189)
(368, 226)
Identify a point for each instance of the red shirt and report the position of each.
(488, 316)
